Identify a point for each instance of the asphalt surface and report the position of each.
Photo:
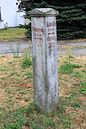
(75, 48)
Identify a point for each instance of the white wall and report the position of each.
(1, 25)
(9, 13)
(20, 18)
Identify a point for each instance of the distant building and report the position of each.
(10, 14)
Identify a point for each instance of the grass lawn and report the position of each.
(12, 34)
(17, 110)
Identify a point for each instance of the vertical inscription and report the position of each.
(38, 35)
(51, 35)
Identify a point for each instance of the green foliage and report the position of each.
(73, 100)
(27, 60)
(15, 120)
(76, 74)
(83, 89)
(3, 68)
(12, 34)
(41, 120)
(35, 126)
(67, 68)
(29, 75)
(14, 126)
(72, 16)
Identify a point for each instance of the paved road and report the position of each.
(76, 48)
(10, 47)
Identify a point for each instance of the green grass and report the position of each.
(41, 120)
(17, 108)
(12, 34)
(14, 120)
(29, 75)
(67, 68)
(83, 88)
(27, 60)
(3, 68)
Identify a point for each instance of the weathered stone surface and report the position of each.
(44, 12)
(44, 47)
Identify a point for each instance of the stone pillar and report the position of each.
(44, 49)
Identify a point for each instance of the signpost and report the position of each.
(44, 49)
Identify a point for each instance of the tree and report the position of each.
(72, 16)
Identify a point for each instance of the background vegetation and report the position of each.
(12, 34)
(72, 16)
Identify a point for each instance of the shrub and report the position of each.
(27, 60)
